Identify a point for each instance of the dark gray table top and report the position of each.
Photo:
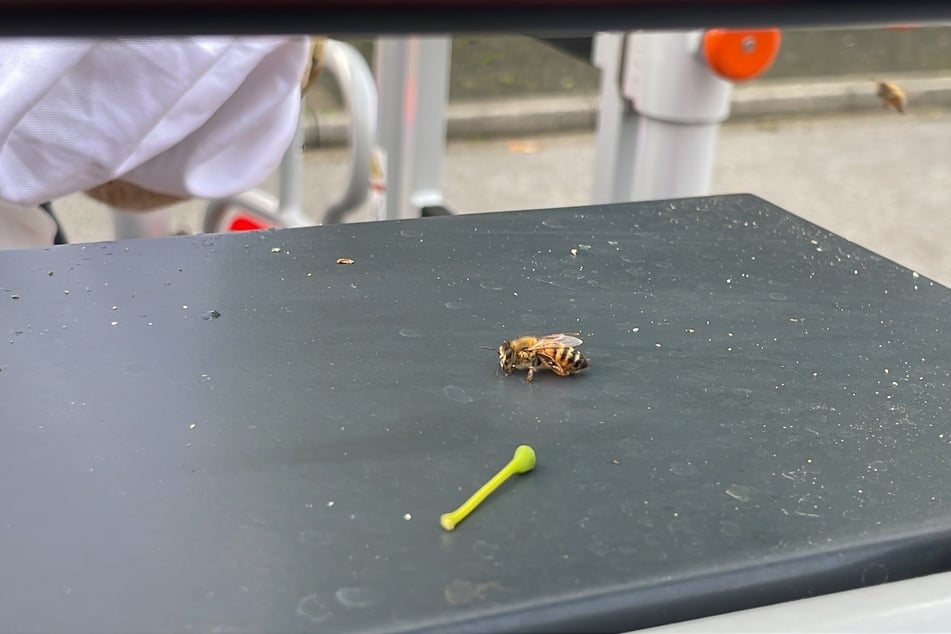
(765, 417)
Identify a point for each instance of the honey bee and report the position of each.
(891, 95)
(555, 352)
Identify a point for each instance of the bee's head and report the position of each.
(507, 358)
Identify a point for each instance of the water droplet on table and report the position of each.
(484, 549)
(683, 468)
(740, 492)
(455, 393)
(874, 574)
(313, 609)
(355, 597)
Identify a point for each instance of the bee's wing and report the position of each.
(561, 338)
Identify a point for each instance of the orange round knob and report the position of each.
(741, 55)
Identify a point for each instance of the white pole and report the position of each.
(680, 103)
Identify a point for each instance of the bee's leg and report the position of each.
(536, 363)
(557, 369)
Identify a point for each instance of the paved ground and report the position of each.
(880, 179)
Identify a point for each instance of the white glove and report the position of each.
(202, 117)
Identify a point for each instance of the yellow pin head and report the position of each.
(524, 459)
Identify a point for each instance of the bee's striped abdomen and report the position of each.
(563, 360)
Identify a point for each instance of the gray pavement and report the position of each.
(878, 178)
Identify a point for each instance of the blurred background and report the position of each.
(498, 66)
(810, 136)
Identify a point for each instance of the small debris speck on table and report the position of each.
(344, 260)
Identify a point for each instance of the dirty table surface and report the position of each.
(235, 433)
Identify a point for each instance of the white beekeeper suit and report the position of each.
(198, 117)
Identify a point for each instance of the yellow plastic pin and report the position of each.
(522, 462)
